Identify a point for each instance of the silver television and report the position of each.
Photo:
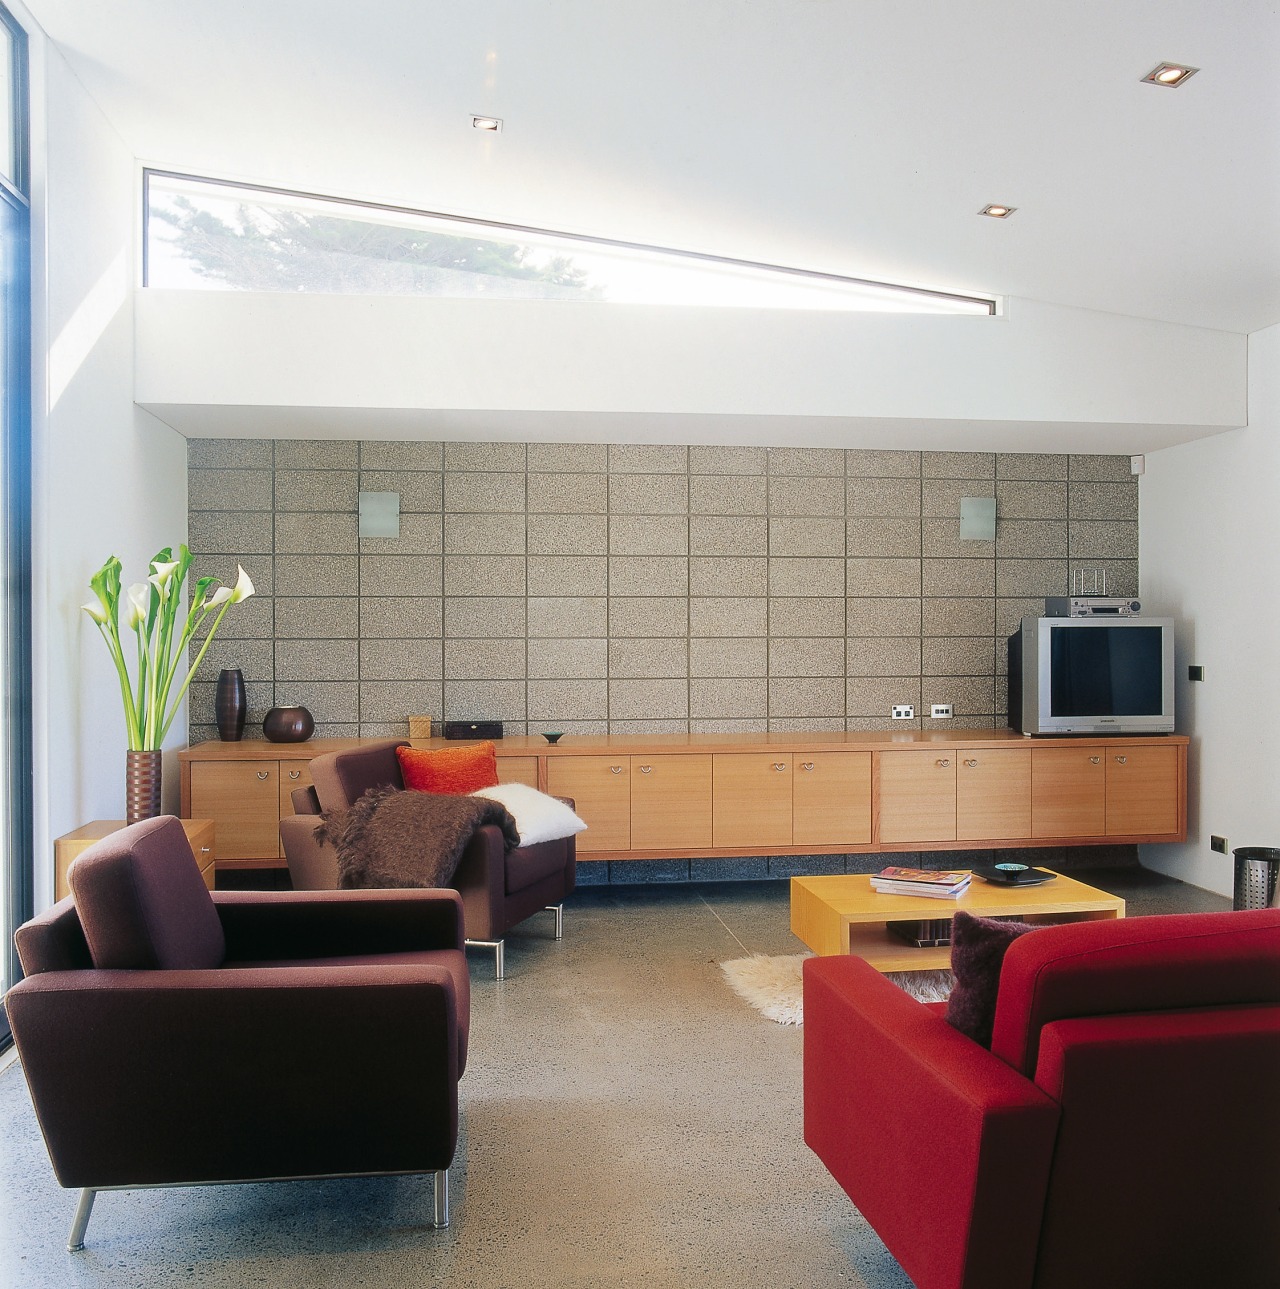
(1091, 676)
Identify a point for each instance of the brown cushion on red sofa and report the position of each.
(978, 947)
(142, 902)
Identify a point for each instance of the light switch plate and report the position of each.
(941, 711)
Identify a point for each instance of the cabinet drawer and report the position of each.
(243, 797)
(670, 802)
(831, 799)
(752, 800)
(601, 789)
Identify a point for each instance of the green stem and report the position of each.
(195, 666)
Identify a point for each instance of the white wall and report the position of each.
(109, 477)
(1210, 556)
(238, 363)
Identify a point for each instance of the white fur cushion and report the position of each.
(538, 817)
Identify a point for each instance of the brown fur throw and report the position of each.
(395, 838)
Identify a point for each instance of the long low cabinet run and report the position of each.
(710, 795)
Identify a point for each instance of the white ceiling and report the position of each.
(852, 136)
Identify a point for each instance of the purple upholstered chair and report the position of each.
(170, 1036)
(499, 888)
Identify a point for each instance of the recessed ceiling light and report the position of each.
(996, 211)
(1170, 75)
(491, 123)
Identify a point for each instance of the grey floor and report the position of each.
(626, 1121)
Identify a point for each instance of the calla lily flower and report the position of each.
(139, 604)
(161, 573)
(243, 587)
(155, 611)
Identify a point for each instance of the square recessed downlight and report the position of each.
(491, 123)
(997, 211)
(1170, 75)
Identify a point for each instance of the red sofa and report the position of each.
(1123, 1130)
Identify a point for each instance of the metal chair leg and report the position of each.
(558, 910)
(499, 964)
(75, 1237)
(442, 1200)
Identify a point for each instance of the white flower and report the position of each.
(220, 596)
(139, 604)
(161, 575)
(243, 588)
(96, 612)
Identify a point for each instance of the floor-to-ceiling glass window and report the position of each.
(15, 498)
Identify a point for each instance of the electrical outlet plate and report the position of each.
(903, 712)
(1218, 843)
(940, 711)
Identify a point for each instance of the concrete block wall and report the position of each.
(636, 588)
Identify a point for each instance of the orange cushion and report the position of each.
(453, 771)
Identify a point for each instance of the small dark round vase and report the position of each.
(230, 705)
(288, 725)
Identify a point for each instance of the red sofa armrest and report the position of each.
(187, 1076)
(263, 925)
(943, 1147)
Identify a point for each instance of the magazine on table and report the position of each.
(921, 890)
(922, 876)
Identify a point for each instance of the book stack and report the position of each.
(931, 883)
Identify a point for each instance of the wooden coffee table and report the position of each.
(844, 915)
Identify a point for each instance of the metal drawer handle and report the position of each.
(971, 762)
(204, 850)
(295, 774)
(806, 765)
(779, 765)
(264, 774)
(617, 769)
(943, 762)
(646, 769)
(1095, 760)
(1124, 760)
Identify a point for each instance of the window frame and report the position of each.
(466, 224)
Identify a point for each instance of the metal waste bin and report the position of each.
(1256, 870)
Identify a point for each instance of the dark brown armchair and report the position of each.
(499, 889)
(174, 1037)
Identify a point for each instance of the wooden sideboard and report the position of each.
(697, 796)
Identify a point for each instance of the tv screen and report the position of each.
(1105, 671)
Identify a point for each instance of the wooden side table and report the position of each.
(66, 848)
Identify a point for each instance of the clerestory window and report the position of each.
(222, 236)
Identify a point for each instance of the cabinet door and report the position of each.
(293, 775)
(918, 795)
(1068, 792)
(752, 800)
(993, 794)
(243, 800)
(1142, 790)
(670, 802)
(601, 789)
(831, 799)
(518, 769)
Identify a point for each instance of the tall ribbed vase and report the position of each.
(141, 785)
(230, 704)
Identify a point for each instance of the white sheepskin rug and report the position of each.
(773, 985)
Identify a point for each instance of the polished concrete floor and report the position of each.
(626, 1121)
